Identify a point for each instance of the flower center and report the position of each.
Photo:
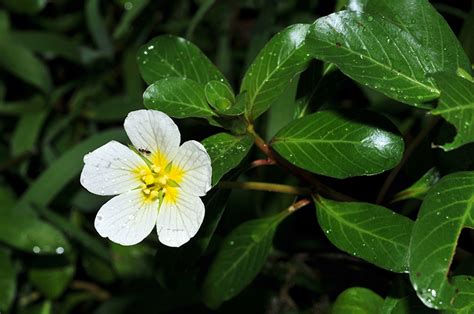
(157, 182)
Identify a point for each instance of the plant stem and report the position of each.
(292, 169)
(264, 186)
(97, 291)
(261, 162)
(301, 203)
(408, 152)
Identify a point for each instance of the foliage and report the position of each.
(341, 137)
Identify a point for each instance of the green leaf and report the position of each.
(456, 105)
(97, 29)
(436, 37)
(47, 186)
(371, 232)
(447, 208)
(226, 152)
(357, 300)
(173, 264)
(177, 97)
(51, 281)
(170, 56)
(239, 260)
(7, 280)
(23, 231)
(25, 6)
(27, 132)
(97, 269)
(219, 95)
(132, 261)
(133, 9)
(419, 189)
(49, 43)
(282, 58)
(463, 304)
(22, 63)
(341, 144)
(391, 57)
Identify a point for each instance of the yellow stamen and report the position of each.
(162, 180)
(154, 194)
(148, 179)
(146, 191)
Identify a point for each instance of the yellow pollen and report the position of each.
(146, 191)
(148, 179)
(143, 172)
(154, 194)
(155, 169)
(163, 180)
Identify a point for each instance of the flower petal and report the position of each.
(179, 220)
(108, 170)
(126, 219)
(194, 162)
(153, 131)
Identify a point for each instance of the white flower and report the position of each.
(159, 183)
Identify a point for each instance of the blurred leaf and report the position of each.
(204, 6)
(226, 152)
(282, 58)
(466, 37)
(97, 28)
(132, 9)
(456, 105)
(114, 108)
(239, 260)
(392, 57)
(173, 264)
(219, 95)
(132, 261)
(90, 243)
(419, 189)
(371, 232)
(27, 132)
(42, 308)
(341, 144)
(170, 56)
(97, 269)
(23, 231)
(463, 304)
(52, 180)
(447, 208)
(7, 280)
(51, 281)
(357, 300)
(22, 63)
(4, 23)
(25, 6)
(177, 97)
(49, 43)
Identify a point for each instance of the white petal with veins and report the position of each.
(153, 131)
(178, 222)
(126, 219)
(193, 159)
(108, 170)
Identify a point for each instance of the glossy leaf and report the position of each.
(341, 144)
(177, 97)
(170, 56)
(7, 280)
(371, 232)
(446, 210)
(419, 189)
(357, 300)
(226, 152)
(51, 281)
(219, 95)
(239, 260)
(282, 58)
(436, 37)
(456, 105)
(381, 54)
